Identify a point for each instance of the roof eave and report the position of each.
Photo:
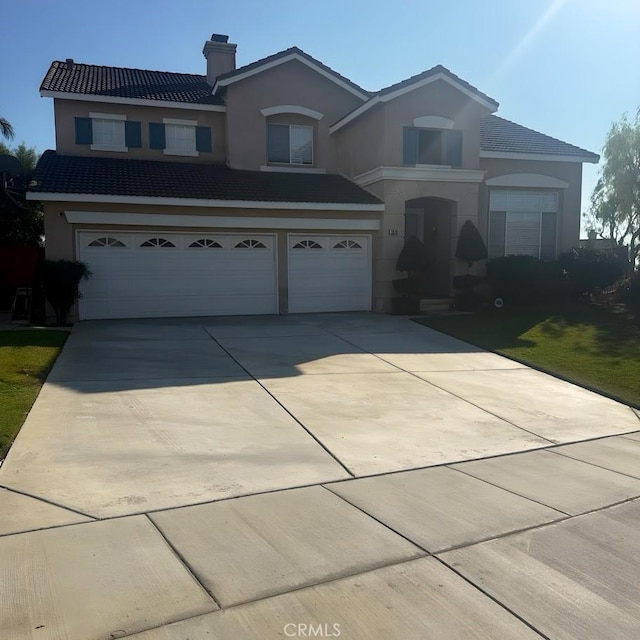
(588, 157)
(92, 97)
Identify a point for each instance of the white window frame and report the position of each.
(109, 147)
(177, 122)
(514, 214)
(291, 163)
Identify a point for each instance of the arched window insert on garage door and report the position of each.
(158, 243)
(107, 242)
(348, 244)
(307, 244)
(205, 243)
(250, 244)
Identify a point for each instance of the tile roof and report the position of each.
(500, 135)
(284, 54)
(432, 72)
(58, 173)
(121, 82)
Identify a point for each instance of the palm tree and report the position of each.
(6, 129)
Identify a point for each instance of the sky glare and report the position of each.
(567, 68)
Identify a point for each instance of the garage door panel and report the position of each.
(154, 281)
(335, 277)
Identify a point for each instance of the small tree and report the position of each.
(414, 261)
(60, 281)
(471, 246)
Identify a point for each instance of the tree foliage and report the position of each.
(615, 202)
(61, 282)
(471, 246)
(21, 221)
(6, 129)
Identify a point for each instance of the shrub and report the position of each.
(471, 246)
(589, 269)
(413, 258)
(521, 279)
(629, 290)
(60, 281)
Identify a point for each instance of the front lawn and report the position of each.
(591, 345)
(25, 359)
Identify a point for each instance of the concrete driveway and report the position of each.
(387, 478)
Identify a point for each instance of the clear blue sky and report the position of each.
(568, 68)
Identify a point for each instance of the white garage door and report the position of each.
(329, 273)
(160, 274)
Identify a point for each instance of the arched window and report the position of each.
(347, 244)
(107, 242)
(205, 243)
(158, 243)
(250, 243)
(307, 244)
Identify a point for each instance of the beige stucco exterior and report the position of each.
(363, 150)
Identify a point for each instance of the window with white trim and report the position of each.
(289, 144)
(523, 223)
(180, 139)
(108, 132)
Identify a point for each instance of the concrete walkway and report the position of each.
(358, 474)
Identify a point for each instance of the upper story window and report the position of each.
(432, 146)
(290, 144)
(108, 132)
(179, 137)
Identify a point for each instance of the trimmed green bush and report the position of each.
(589, 269)
(471, 246)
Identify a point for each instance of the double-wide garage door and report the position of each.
(161, 274)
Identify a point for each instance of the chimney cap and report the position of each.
(69, 62)
(219, 37)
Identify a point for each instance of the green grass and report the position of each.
(25, 359)
(587, 344)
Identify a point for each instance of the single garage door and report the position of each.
(160, 274)
(329, 273)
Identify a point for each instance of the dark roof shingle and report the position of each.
(120, 82)
(58, 173)
(500, 135)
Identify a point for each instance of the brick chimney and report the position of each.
(220, 55)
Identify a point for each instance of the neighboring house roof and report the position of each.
(119, 82)
(292, 53)
(499, 136)
(88, 175)
(415, 82)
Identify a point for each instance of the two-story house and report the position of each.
(284, 187)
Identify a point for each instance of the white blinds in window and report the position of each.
(523, 201)
(301, 144)
(180, 139)
(107, 132)
(522, 234)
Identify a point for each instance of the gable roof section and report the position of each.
(62, 177)
(119, 84)
(415, 82)
(503, 138)
(293, 53)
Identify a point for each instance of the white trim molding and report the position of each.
(283, 169)
(535, 180)
(549, 157)
(87, 97)
(195, 202)
(180, 121)
(284, 59)
(218, 222)
(433, 122)
(108, 116)
(419, 174)
(291, 108)
(336, 126)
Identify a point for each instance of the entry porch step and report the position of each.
(435, 305)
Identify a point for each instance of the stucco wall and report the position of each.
(66, 110)
(291, 83)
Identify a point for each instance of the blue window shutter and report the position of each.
(156, 136)
(84, 131)
(454, 148)
(410, 145)
(203, 139)
(132, 134)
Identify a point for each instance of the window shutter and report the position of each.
(203, 139)
(132, 134)
(157, 138)
(278, 143)
(548, 236)
(410, 145)
(454, 148)
(497, 222)
(84, 131)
